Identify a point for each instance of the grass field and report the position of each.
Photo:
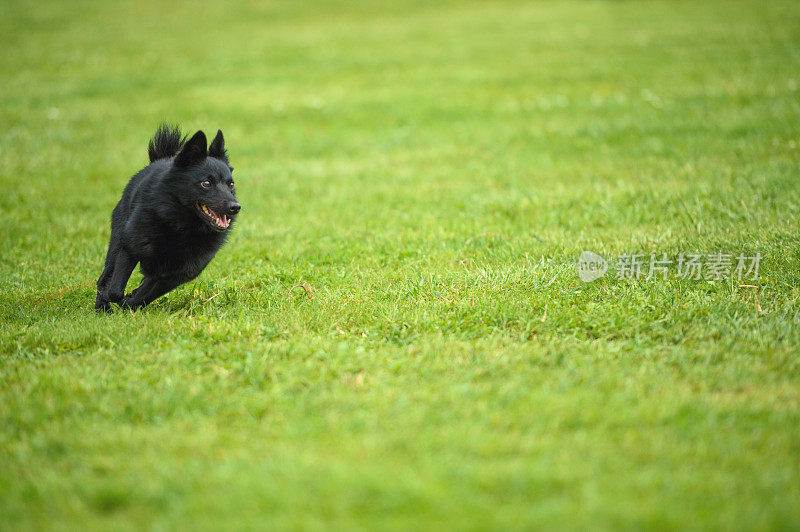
(396, 336)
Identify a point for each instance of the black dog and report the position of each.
(172, 219)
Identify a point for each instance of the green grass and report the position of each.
(432, 172)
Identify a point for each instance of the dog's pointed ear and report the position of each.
(217, 148)
(193, 151)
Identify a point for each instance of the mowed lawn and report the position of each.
(395, 335)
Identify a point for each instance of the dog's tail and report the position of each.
(167, 141)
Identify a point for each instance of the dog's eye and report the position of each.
(206, 184)
(230, 185)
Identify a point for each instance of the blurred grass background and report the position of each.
(431, 171)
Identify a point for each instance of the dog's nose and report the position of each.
(234, 208)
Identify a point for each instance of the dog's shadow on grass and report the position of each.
(185, 304)
(192, 302)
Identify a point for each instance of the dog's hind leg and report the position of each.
(114, 247)
(117, 278)
(101, 303)
(151, 289)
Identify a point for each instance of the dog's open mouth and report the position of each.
(220, 222)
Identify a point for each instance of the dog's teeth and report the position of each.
(221, 221)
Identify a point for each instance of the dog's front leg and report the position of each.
(151, 289)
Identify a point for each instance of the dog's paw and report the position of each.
(113, 296)
(101, 305)
(129, 303)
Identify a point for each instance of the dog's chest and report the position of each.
(182, 254)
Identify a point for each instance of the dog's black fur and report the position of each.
(160, 222)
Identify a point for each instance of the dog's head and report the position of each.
(205, 182)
